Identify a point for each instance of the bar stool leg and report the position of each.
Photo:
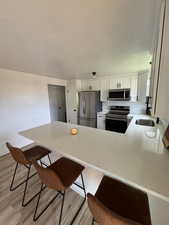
(41, 162)
(26, 184)
(63, 199)
(25, 189)
(13, 178)
(34, 217)
(93, 221)
(49, 160)
(83, 188)
(83, 185)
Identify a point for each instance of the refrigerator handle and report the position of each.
(84, 107)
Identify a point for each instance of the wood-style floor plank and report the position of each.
(12, 213)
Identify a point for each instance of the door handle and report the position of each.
(84, 107)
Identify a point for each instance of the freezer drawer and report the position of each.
(88, 122)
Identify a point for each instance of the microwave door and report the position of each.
(127, 94)
(117, 94)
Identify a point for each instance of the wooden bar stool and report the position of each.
(59, 176)
(24, 158)
(116, 203)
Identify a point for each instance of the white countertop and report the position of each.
(137, 157)
(102, 112)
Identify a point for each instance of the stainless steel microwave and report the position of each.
(119, 94)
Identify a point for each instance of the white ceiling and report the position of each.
(71, 38)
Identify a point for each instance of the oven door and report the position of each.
(116, 125)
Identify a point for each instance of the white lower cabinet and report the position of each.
(101, 121)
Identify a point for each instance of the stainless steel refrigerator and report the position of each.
(89, 105)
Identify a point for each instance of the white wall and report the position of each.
(24, 104)
(162, 106)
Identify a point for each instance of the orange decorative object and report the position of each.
(74, 131)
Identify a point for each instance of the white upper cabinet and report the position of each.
(90, 84)
(134, 83)
(113, 83)
(105, 86)
(94, 84)
(142, 87)
(117, 83)
(161, 94)
(84, 85)
(123, 82)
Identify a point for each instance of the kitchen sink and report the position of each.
(149, 123)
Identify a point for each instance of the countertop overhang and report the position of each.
(137, 157)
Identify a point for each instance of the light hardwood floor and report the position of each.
(12, 213)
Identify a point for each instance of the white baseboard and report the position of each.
(3, 150)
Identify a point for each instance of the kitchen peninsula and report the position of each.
(137, 157)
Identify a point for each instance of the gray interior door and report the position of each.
(57, 103)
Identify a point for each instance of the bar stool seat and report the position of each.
(59, 176)
(109, 217)
(116, 203)
(36, 153)
(24, 158)
(67, 170)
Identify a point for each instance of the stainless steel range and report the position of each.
(116, 119)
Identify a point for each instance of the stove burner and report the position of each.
(118, 111)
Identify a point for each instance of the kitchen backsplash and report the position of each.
(135, 107)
